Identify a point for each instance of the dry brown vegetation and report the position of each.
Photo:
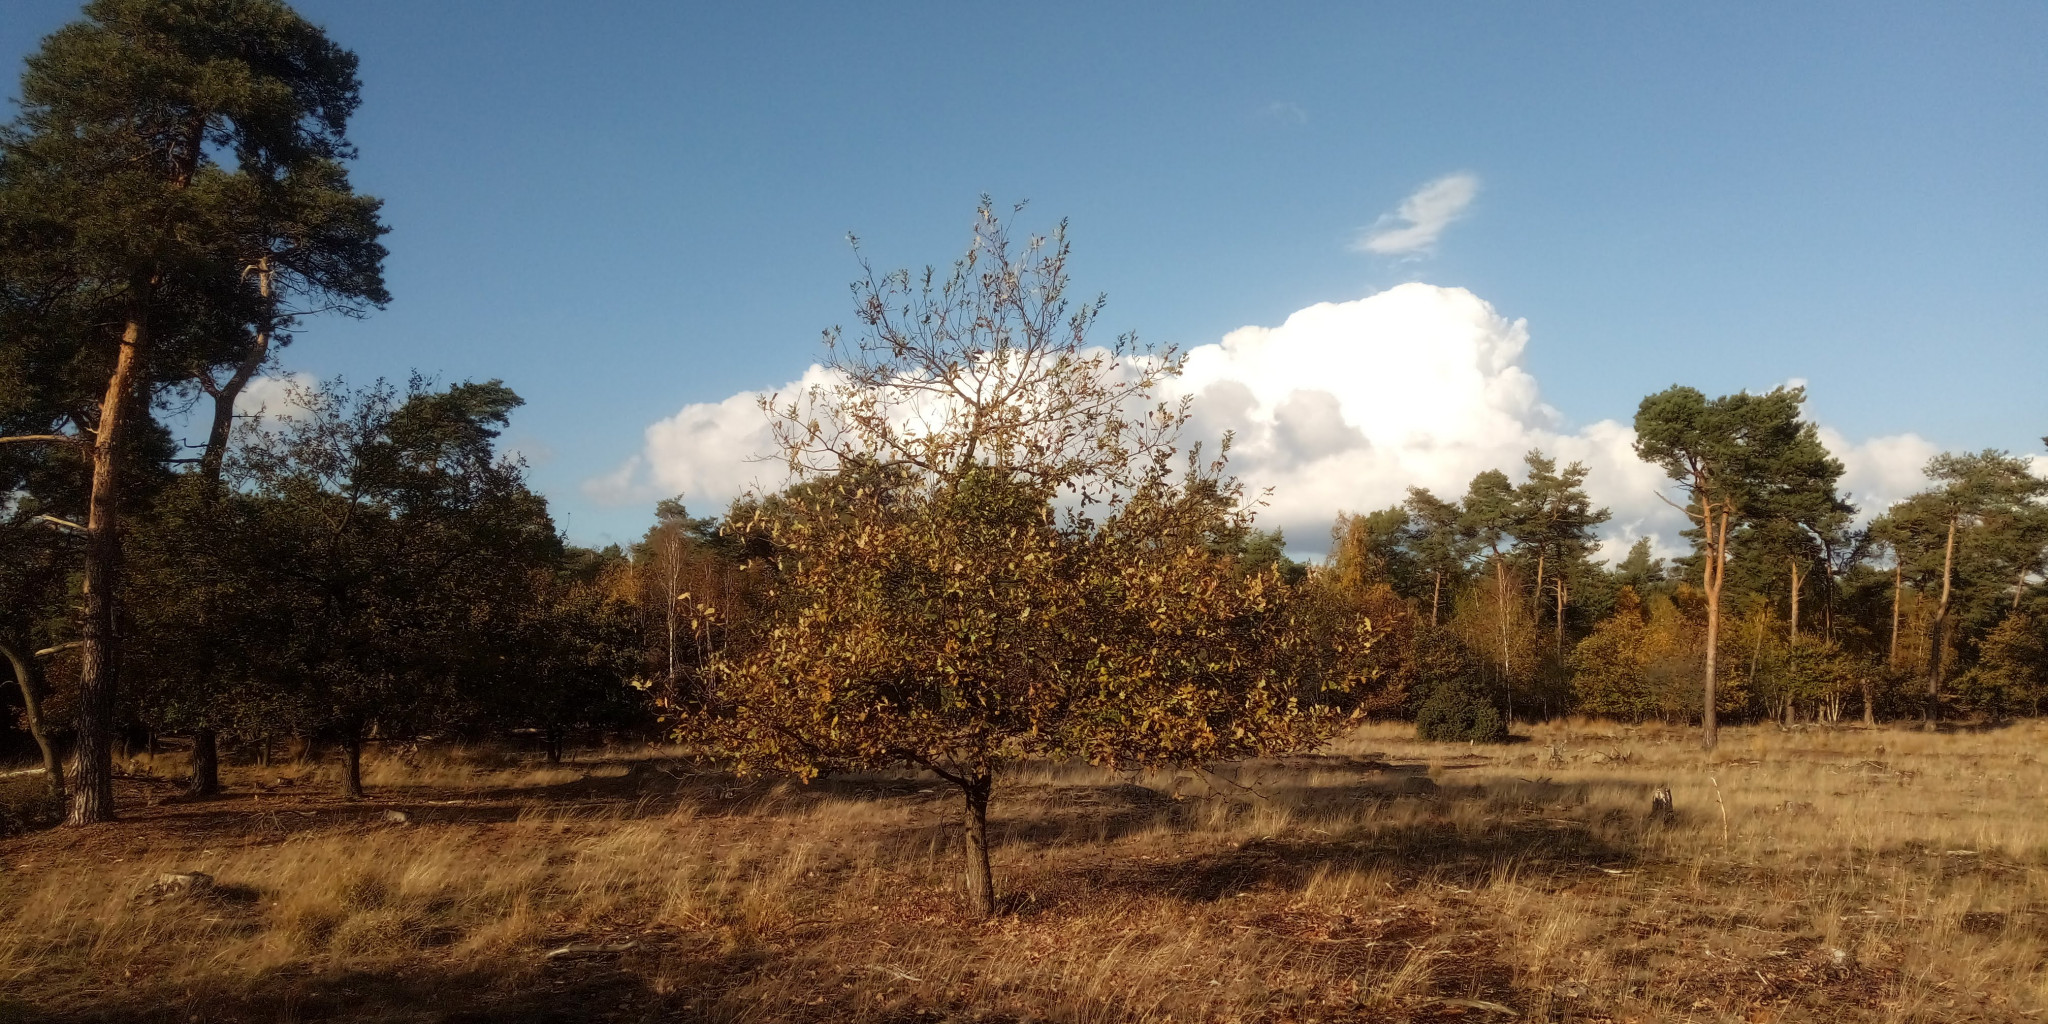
(1884, 876)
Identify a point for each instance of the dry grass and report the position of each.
(1840, 875)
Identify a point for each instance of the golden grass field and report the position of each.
(1812, 874)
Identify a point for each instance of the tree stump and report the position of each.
(1660, 804)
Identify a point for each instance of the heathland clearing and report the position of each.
(1831, 874)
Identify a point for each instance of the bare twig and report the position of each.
(44, 438)
(1724, 810)
(62, 524)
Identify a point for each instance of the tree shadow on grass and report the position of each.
(1331, 829)
(1435, 852)
(669, 984)
(454, 997)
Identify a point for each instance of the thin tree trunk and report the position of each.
(1827, 554)
(32, 709)
(1436, 596)
(1500, 587)
(1756, 652)
(352, 763)
(672, 550)
(205, 763)
(227, 394)
(1714, 571)
(1869, 704)
(1795, 604)
(205, 742)
(1898, 584)
(263, 750)
(92, 798)
(981, 888)
(1948, 562)
(1560, 619)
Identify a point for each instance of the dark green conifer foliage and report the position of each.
(1556, 520)
(155, 137)
(1976, 534)
(1738, 460)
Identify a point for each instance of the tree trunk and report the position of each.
(1795, 604)
(1507, 678)
(672, 550)
(1827, 553)
(92, 798)
(1869, 704)
(1712, 573)
(1948, 563)
(352, 763)
(981, 886)
(205, 764)
(1756, 650)
(1898, 584)
(554, 742)
(205, 742)
(1560, 619)
(263, 751)
(225, 396)
(1436, 596)
(32, 709)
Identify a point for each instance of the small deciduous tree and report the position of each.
(396, 549)
(2011, 674)
(995, 556)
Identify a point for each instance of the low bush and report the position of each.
(26, 803)
(1459, 712)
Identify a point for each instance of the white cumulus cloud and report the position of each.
(1342, 407)
(1881, 470)
(270, 396)
(1420, 220)
(1347, 404)
(710, 452)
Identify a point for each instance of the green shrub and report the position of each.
(1458, 712)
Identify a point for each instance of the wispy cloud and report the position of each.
(1422, 217)
(1284, 112)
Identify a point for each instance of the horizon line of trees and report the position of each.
(1785, 610)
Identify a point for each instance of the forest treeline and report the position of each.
(999, 544)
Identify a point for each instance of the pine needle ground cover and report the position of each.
(1806, 874)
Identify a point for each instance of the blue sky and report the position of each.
(622, 209)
